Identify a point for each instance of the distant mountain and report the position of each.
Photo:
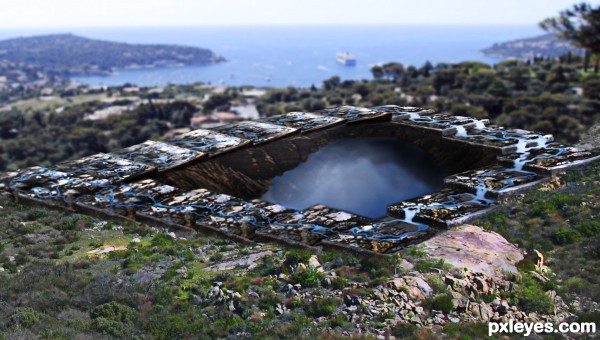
(547, 45)
(71, 55)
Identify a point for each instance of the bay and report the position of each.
(300, 56)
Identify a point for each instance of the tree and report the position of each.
(362, 89)
(591, 87)
(216, 100)
(580, 25)
(331, 83)
(425, 70)
(393, 71)
(377, 72)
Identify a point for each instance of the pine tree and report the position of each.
(580, 25)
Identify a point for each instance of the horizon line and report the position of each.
(274, 25)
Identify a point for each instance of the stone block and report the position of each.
(382, 237)
(304, 121)
(355, 114)
(550, 159)
(497, 180)
(162, 156)
(208, 142)
(445, 208)
(256, 132)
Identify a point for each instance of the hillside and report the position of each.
(78, 277)
(70, 55)
(547, 45)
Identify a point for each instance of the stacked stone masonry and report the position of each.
(137, 183)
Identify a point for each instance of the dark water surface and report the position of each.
(359, 175)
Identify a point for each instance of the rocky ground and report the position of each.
(75, 277)
(430, 289)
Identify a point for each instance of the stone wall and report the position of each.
(208, 180)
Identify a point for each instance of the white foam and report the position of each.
(522, 146)
(461, 131)
(409, 213)
(542, 141)
(519, 162)
(479, 124)
(523, 149)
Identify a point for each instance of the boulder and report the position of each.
(479, 250)
(482, 285)
(481, 311)
(313, 261)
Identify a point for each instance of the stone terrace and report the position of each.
(150, 182)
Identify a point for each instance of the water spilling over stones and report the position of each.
(210, 180)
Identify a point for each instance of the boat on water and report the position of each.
(346, 58)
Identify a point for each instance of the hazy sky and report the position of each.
(111, 13)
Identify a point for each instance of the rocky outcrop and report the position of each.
(479, 250)
(472, 297)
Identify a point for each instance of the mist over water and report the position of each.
(359, 175)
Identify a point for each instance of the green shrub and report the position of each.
(323, 306)
(378, 266)
(78, 323)
(295, 256)
(466, 330)
(35, 214)
(385, 316)
(111, 327)
(441, 302)
(428, 264)
(309, 277)
(436, 283)
(269, 300)
(28, 228)
(404, 330)
(588, 228)
(113, 311)
(266, 267)
(162, 240)
(339, 321)
(118, 254)
(593, 248)
(531, 297)
(95, 244)
(561, 201)
(216, 257)
(564, 236)
(576, 285)
(21, 259)
(542, 208)
(26, 316)
(593, 316)
(526, 265)
(339, 283)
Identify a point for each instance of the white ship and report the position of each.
(346, 58)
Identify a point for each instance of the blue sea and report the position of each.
(300, 56)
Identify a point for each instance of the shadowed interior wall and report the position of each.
(247, 173)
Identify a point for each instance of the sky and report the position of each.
(144, 13)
